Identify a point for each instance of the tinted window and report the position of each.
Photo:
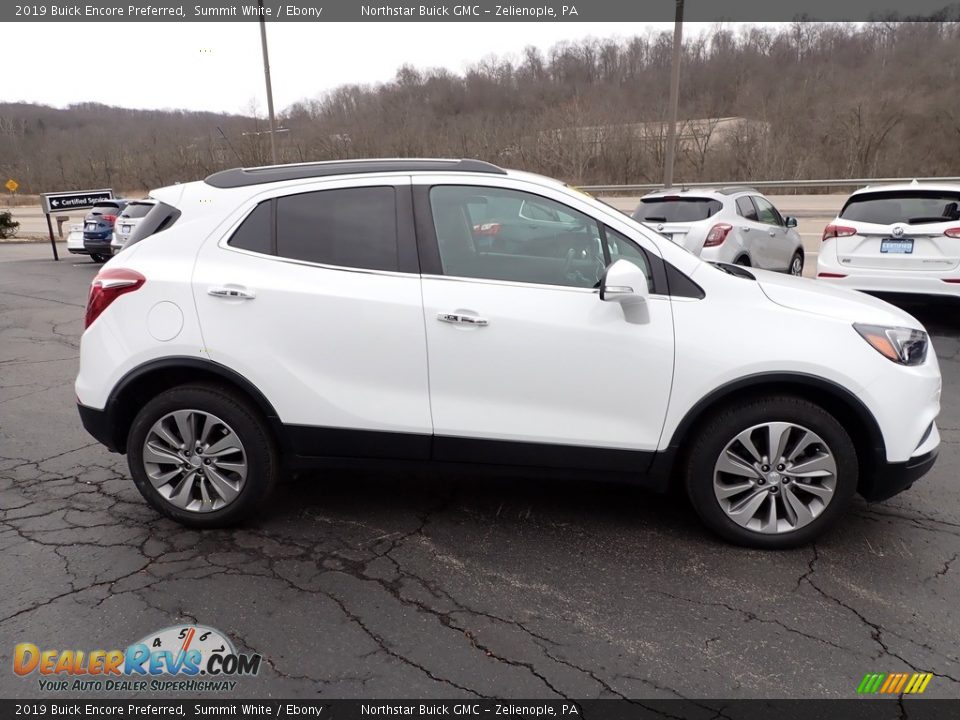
(351, 227)
(136, 210)
(766, 212)
(912, 206)
(255, 233)
(676, 209)
(481, 234)
(745, 209)
(105, 208)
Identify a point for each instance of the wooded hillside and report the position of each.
(818, 101)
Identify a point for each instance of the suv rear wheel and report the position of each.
(772, 473)
(200, 455)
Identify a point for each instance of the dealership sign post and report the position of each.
(70, 200)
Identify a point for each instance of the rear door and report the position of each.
(901, 230)
(314, 297)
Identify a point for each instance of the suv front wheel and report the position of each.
(774, 472)
(200, 455)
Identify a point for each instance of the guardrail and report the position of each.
(785, 184)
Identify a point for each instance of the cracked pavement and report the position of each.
(408, 585)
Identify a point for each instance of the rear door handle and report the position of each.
(460, 319)
(233, 293)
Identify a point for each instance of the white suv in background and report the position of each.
(306, 315)
(131, 216)
(895, 239)
(732, 225)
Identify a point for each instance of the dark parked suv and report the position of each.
(98, 228)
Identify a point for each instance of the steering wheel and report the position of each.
(570, 274)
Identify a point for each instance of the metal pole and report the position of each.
(674, 97)
(53, 243)
(266, 77)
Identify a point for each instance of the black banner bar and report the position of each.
(294, 709)
(475, 11)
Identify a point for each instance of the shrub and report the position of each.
(8, 228)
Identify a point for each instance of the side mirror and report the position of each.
(624, 283)
(790, 222)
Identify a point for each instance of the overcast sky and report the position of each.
(218, 67)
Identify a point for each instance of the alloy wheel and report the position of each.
(796, 266)
(195, 460)
(775, 477)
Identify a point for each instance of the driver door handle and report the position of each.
(460, 319)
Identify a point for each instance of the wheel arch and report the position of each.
(845, 406)
(148, 380)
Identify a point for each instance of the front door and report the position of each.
(527, 364)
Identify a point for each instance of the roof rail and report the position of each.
(242, 177)
(734, 189)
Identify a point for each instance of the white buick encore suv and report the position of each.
(450, 311)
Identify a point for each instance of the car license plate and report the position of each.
(124, 229)
(91, 227)
(896, 246)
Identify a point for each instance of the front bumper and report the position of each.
(889, 479)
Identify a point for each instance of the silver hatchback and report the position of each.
(733, 225)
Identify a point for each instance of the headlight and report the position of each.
(902, 345)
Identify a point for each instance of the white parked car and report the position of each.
(131, 216)
(75, 239)
(895, 239)
(278, 317)
(732, 225)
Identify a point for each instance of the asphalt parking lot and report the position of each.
(354, 585)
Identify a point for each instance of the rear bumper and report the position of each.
(874, 280)
(99, 425)
(101, 247)
(889, 479)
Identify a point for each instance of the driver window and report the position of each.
(497, 234)
(766, 212)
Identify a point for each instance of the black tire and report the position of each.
(712, 437)
(743, 261)
(98, 258)
(263, 465)
(798, 255)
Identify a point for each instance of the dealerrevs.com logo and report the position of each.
(181, 658)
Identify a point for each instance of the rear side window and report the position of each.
(136, 210)
(256, 232)
(746, 210)
(904, 206)
(349, 227)
(676, 209)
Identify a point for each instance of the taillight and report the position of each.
(107, 286)
(718, 233)
(952, 232)
(110, 218)
(486, 229)
(833, 231)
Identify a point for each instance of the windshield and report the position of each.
(903, 206)
(676, 209)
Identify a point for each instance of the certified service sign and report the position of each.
(74, 199)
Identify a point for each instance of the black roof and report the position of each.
(241, 177)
